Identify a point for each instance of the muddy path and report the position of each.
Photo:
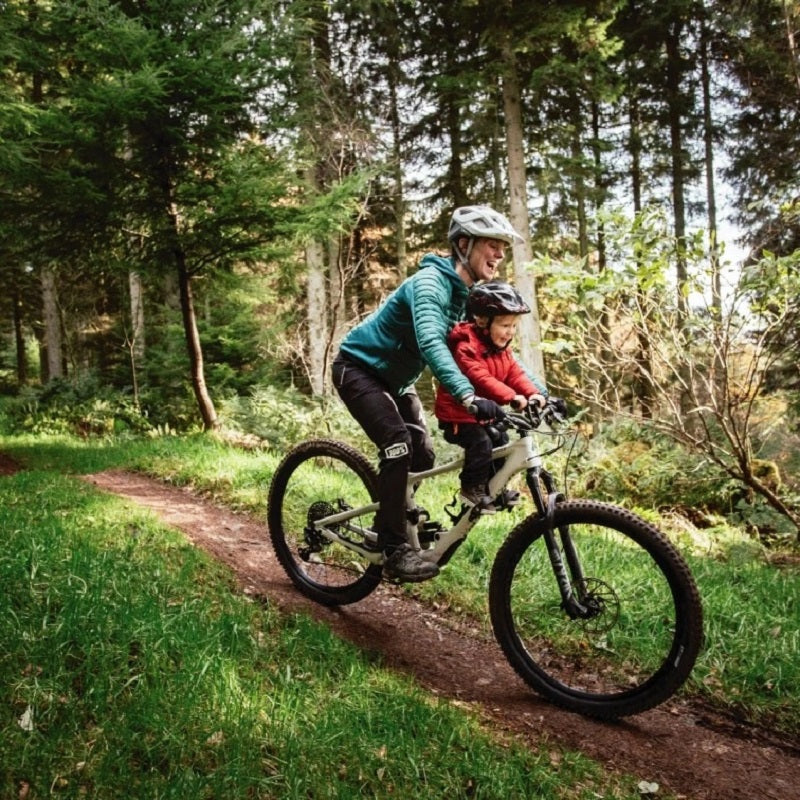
(685, 748)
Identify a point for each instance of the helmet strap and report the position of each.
(463, 258)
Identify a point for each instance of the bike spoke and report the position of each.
(632, 623)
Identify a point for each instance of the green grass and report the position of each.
(749, 664)
(132, 667)
(753, 637)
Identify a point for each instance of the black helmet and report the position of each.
(493, 298)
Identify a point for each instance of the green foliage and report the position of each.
(83, 406)
(629, 463)
(633, 464)
(282, 417)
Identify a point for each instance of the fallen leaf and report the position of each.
(26, 720)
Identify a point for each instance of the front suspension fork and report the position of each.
(567, 574)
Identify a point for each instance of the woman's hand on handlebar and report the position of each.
(485, 410)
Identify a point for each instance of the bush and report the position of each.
(631, 464)
(81, 406)
(283, 417)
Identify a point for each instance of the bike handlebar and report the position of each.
(531, 417)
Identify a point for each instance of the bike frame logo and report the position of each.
(396, 450)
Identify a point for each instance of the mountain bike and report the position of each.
(593, 607)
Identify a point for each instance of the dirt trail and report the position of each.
(687, 750)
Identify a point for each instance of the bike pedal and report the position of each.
(429, 530)
(418, 515)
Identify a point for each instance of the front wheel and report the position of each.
(317, 479)
(641, 630)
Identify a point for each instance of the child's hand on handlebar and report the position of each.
(539, 400)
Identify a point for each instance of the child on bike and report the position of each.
(480, 347)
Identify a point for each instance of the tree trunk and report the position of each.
(19, 338)
(599, 186)
(788, 14)
(316, 305)
(579, 186)
(136, 342)
(137, 314)
(317, 130)
(675, 113)
(711, 208)
(711, 199)
(316, 298)
(399, 201)
(456, 169)
(498, 191)
(643, 387)
(529, 329)
(338, 297)
(335, 316)
(606, 351)
(207, 411)
(52, 325)
(675, 108)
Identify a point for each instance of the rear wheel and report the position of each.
(316, 479)
(641, 629)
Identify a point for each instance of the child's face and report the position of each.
(502, 329)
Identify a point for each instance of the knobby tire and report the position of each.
(646, 631)
(321, 477)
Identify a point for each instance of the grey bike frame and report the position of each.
(520, 455)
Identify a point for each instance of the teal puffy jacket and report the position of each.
(409, 330)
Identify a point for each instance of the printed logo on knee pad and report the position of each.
(396, 450)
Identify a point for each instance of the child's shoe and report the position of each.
(508, 498)
(477, 496)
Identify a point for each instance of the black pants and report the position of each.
(478, 442)
(397, 427)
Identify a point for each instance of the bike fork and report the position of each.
(567, 574)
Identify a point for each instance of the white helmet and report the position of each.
(482, 221)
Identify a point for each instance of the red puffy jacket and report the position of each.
(495, 374)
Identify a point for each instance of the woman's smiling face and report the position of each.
(486, 256)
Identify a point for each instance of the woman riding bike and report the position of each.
(381, 359)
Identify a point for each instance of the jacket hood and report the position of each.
(470, 332)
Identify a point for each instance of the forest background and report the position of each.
(197, 200)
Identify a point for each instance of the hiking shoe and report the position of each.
(478, 497)
(405, 565)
